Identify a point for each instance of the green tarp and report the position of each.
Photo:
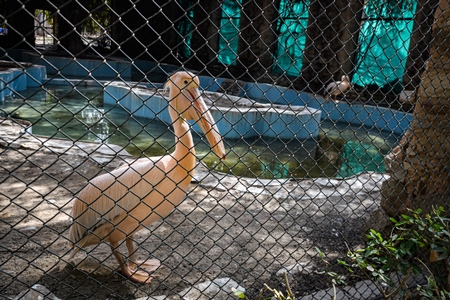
(292, 37)
(383, 42)
(229, 32)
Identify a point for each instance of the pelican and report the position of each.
(114, 206)
(337, 88)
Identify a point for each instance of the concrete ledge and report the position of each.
(17, 77)
(81, 67)
(234, 122)
(6, 77)
(100, 69)
(371, 116)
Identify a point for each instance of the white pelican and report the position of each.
(336, 88)
(114, 206)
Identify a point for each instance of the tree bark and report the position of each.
(68, 27)
(20, 26)
(258, 38)
(420, 164)
(205, 39)
(349, 28)
(331, 44)
(420, 39)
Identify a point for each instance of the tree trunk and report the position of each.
(205, 39)
(258, 37)
(347, 44)
(331, 44)
(420, 39)
(143, 29)
(20, 25)
(68, 27)
(420, 164)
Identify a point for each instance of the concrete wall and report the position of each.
(16, 78)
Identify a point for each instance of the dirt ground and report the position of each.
(227, 227)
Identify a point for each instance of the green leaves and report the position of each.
(388, 261)
(397, 256)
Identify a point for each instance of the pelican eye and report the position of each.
(185, 82)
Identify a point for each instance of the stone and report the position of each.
(36, 292)
(159, 298)
(379, 221)
(219, 288)
(302, 267)
(393, 191)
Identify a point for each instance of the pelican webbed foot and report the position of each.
(141, 271)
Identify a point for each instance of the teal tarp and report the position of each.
(292, 26)
(384, 38)
(229, 32)
(292, 37)
(384, 42)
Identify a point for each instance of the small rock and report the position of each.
(365, 289)
(36, 292)
(378, 220)
(302, 267)
(157, 298)
(28, 228)
(220, 288)
(362, 290)
(102, 161)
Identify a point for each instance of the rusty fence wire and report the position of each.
(194, 149)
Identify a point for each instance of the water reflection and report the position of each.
(97, 126)
(341, 150)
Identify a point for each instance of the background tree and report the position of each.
(69, 25)
(331, 43)
(205, 39)
(420, 164)
(19, 22)
(258, 37)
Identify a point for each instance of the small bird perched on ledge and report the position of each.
(337, 88)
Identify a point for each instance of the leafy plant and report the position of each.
(336, 279)
(431, 290)
(434, 234)
(388, 262)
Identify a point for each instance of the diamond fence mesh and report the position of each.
(312, 121)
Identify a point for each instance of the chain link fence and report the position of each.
(329, 123)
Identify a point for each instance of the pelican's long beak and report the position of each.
(204, 118)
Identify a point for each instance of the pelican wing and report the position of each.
(110, 195)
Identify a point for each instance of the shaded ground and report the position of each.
(227, 227)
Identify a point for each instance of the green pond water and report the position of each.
(342, 150)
